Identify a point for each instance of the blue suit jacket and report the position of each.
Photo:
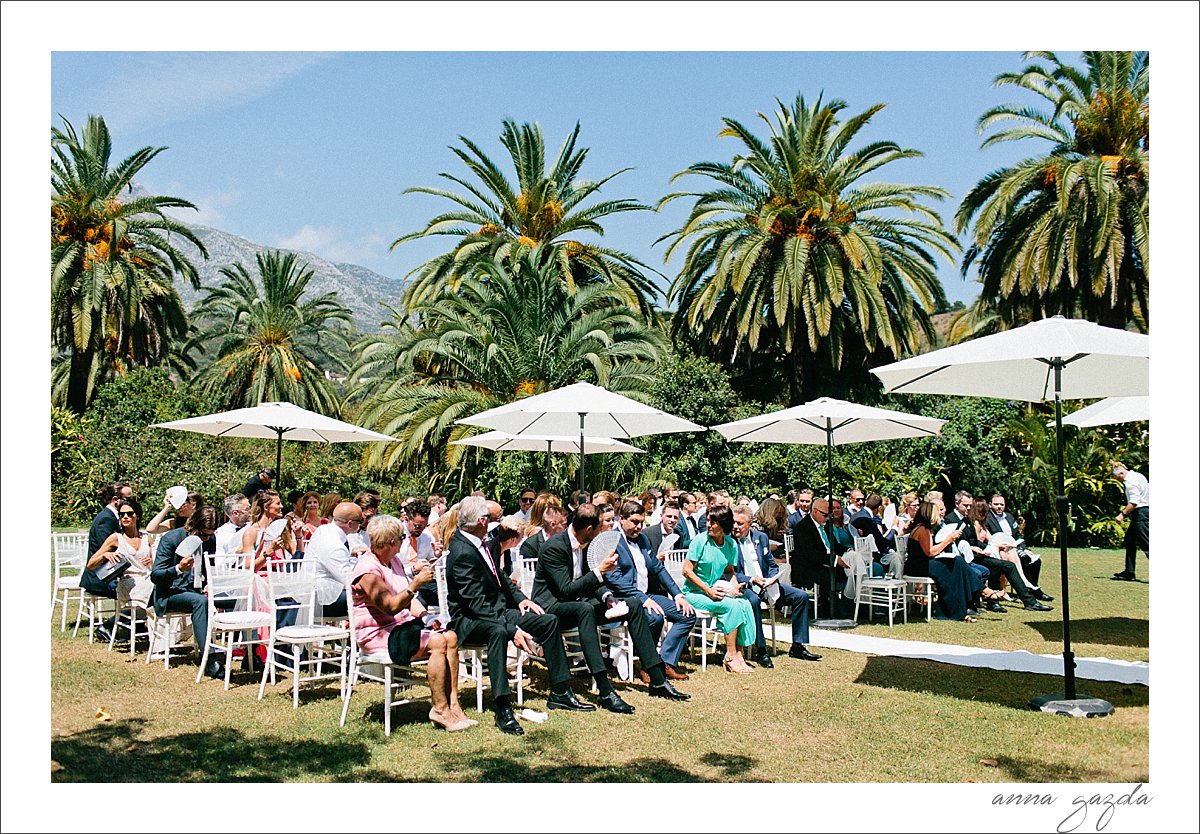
(623, 578)
(766, 562)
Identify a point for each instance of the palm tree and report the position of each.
(789, 255)
(507, 330)
(113, 303)
(1068, 232)
(274, 343)
(542, 212)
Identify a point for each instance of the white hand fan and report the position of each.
(176, 495)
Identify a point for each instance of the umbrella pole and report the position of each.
(1067, 702)
(831, 622)
(278, 455)
(548, 444)
(582, 417)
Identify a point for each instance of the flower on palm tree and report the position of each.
(1068, 232)
(113, 263)
(507, 330)
(274, 344)
(542, 211)
(791, 254)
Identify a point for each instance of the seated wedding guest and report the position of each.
(103, 526)
(842, 536)
(387, 618)
(328, 501)
(909, 504)
(772, 520)
(259, 549)
(709, 554)
(608, 516)
(175, 585)
(565, 586)
(868, 523)
(648, 500)
(161, 524)
(329, 548)
(229, 534)
(957, 584)
(437, 506)
(525, 504)
(132, 543)
(999, 520)
(576, 498)
(640, 575)
(999, 555)
(488, 609)
(670, 522)
(1016, 579)
(546, 519)
(308, 509)
(447, 525)
(755, 568)
(814, 551)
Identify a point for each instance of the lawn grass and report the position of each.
(849, 718)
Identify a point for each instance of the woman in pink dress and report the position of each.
(387, 619)
(308, 510)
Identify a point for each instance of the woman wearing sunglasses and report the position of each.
(132, 543)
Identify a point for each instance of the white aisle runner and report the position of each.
(1090, 668)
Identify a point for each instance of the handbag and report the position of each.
(113, 570)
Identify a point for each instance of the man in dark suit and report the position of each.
(688, 506)
(755, 567)
(175, 585)
(671, 523)
(104, 525)
(554, 521)
(640, 575)
(867, 522)
(257, 482)
(812, 554)
(999, 520)
(565, 586)
(996, 567)
(486, 607)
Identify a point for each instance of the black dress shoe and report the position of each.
(995, 607)
(103, 635)
(613, 703)
(1034, 605)
(801, 653)
(665, 690)
(568, 701)
(1125, 576)
(506, 722)
(765, 661)
(215, 669)
(1038, 593)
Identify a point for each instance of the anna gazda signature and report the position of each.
(1095, 811)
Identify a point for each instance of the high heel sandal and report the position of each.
(740, 669)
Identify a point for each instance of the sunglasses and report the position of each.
(127, 514)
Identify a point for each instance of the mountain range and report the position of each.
(357, 287)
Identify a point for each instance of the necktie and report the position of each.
(487, 558)
(824, 537)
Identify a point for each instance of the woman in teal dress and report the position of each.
(708, 557)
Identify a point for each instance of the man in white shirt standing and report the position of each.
(525, 504)
(330, 548)
(1137, 510)
(229, 534)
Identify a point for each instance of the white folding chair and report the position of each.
(232, 583)
(67, 553)
(872, 591)
(378, 668)
(165, 634)
(704, 630)
(127, 618)
(291, 585)
(923, 587)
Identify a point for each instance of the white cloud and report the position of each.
(148, 89)
(209, 206)
(332, 244)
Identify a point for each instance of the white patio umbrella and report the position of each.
(276, 420)
(830, 423)
(581, 406)
(503, 442)
(1053, 359)
(1109, 411)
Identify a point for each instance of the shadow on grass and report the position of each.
(1028, 770)
(731, 765)
(1006, 689)
(114, 752)
(1107, 631)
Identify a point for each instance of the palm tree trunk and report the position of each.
(77, 381)
(796, 377)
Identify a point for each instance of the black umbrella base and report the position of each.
(834, 625)
(1056, 703)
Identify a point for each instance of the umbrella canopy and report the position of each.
(579, 408)
(276, 421)
(830, 423)
(1109, 411)
(1052, 359)
(558, 412)
(503, 442)
(1019, 364)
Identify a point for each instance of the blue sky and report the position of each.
(312, 150)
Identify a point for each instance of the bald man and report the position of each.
(330, 548)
